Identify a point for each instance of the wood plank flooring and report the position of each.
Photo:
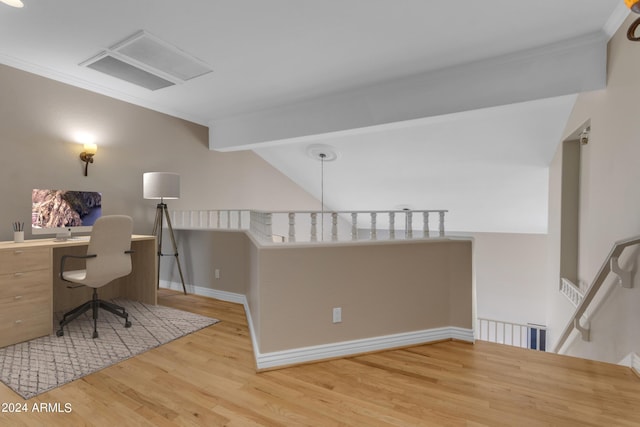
(208, 379)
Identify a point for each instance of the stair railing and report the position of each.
(610, 265)
(308, 226)
(571, 291)
(509, 333)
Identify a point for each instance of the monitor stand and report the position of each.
(64, 236)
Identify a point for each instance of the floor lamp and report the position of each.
(163, 185)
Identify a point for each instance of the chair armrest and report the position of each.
(64, 259)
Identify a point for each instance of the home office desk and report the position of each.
(31, 289)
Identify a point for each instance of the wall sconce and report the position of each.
(634, 5)
(87, 155)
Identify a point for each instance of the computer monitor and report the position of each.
(63, 212)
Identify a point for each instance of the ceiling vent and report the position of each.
(147, 61)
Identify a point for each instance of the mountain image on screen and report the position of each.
(63, 208)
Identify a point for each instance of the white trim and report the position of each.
(349, 348)
(327, 351)
(207, 292)
(632, 360)
(635, 363)
(223, 296)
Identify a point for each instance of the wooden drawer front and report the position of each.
(19, 260)
(25, 306)
(25, 286)
(33, 324)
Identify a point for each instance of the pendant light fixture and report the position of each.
(634, 5)
(323, 153)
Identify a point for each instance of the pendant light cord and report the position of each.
(322, 157)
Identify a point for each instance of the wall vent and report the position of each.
(147, 61)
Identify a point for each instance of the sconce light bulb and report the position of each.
(90, 149)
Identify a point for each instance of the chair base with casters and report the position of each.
(95, 304)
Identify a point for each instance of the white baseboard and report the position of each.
(632, 360)
(223, 296)
(635, 363)
(366, 345)
(327, 351)
(206, 292)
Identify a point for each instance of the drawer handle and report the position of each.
(17, 297)
(18, 321)
(18, 274)
(18, 252)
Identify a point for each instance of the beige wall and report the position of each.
(202, 252)
(610, 201)
(511, 276)
(383, 288)
(38, 117)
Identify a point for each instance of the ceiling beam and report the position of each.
(568, 67)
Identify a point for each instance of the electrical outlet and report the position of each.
(217, 273)
(337, 314)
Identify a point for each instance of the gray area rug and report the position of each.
(39, 365)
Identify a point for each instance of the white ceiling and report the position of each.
(270, 54)
(488, 167)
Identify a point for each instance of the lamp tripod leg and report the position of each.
(175, 248)
(157, 231)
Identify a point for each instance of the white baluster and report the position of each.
(292, 226)
(239, 219)
(334, 226)
(211, 220)
(262, 220)
(354, 225)
(392, 225)
(425, 225)
(374, 233)
(267, 222)
(204, 219)
(441, 223)
(314, 228)
(408, 226)
(194, 220)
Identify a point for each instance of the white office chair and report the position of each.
(108, 258)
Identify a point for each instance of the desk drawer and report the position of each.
(23, 328)
(25, 285)
(19, 260)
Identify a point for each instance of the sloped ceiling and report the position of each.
(477, 93)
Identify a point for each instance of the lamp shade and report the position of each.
(161, 185)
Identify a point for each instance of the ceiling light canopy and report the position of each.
(322, 152)
(14, 3)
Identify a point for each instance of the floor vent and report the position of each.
(147, 61)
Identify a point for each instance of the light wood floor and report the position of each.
(208, 379)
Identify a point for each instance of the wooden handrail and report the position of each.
(604, 271)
